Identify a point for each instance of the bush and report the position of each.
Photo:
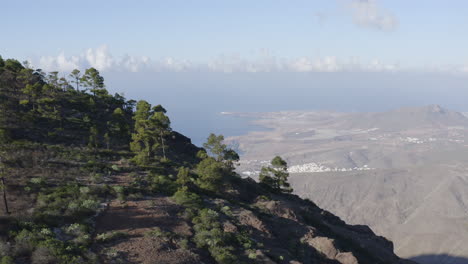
(6, 260)
(187, 198)
(79, 233)
(226, 210)
(71, 202)
(120, 192)
(25, 243)
(90, 204)
(158, 233)
(139, 181)
(223, 255)
(35, 184)
(96, 178)
(162, 184)
(209, 234)
(184, 243)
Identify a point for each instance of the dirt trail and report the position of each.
(137, 218)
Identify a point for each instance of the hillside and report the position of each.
(429, 117)
(91, 177)
(402, 172)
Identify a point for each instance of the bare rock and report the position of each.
(346, 258)
(324, 245)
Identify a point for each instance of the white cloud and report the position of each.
(173, 64)
(99, 58)
(262, 61)
(135, 64)
(367, 13)
(59, 62)
(325, 64)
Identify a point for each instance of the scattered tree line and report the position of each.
(78, 110)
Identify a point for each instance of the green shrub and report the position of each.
(139, 181)
(226, 210)
(25, 242)
(90, 204)
(162, 184)
(120, 193)
(210, 235)
(244, 240)
(183, 243)
(186, 198)
(96, 178)
(6, 260)
(158, 233)
(35, 184)
(251, 254)
(79, 234)
(64, 203)
(223, 255)
(85, 190)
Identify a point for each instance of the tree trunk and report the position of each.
(163, 147)
(5, 196)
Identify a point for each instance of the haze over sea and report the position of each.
(194, 100)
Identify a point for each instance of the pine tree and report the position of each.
(95, 82)
(162, 124)
(76, 78)
(145, 134)
(276, 176)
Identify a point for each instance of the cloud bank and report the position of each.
(101, 59)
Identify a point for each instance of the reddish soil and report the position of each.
(137, 218)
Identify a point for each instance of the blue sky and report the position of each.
(417, 34)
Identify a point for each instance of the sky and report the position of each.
(241, 35)
(201, 57)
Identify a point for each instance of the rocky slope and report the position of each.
(285, 229)
(153, 228)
